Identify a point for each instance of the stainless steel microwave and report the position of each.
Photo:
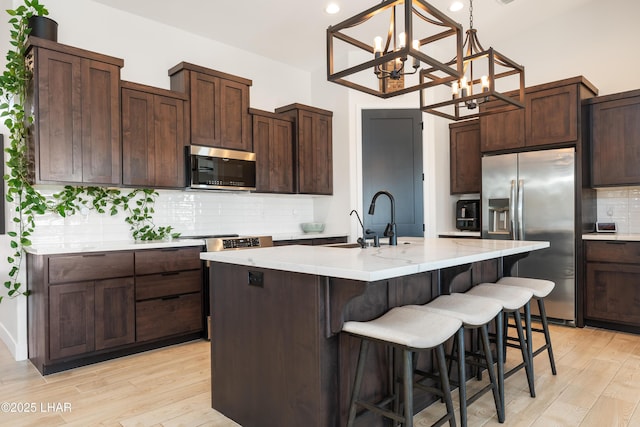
(220, 169)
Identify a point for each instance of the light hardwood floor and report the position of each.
(598, 385)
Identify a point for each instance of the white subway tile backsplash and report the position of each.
(189, 213)
(622, 206)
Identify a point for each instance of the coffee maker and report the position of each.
(468, 215)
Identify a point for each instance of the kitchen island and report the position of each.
(277, 355)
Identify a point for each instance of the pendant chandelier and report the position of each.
(483, 70)
(412, 31)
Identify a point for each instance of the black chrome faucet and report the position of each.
(390, 231)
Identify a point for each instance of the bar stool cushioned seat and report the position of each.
(474, 312)
(403, 327)
(512, 300)
(540, 288)
(410, 331)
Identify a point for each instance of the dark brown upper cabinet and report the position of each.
(465, 159)
(75, 98)
(313, 148)
(552, 117)
(501, 131)
(153, 137)
(218, 115)
(615, 139)
(273, 145)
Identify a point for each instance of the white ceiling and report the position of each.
(294, 31)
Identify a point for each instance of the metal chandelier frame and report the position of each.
(466, 105)
(440, 74)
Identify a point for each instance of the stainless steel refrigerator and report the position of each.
(531, 196)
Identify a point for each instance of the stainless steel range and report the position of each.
(216, 244)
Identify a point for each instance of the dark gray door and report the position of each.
(392, 161)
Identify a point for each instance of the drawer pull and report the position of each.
(93, 255)
(169, 250)
(170, 297)
(615, 243)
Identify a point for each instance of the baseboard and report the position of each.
(16, 351)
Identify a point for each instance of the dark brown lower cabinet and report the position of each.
(88, 316)
(611, 289)
(71, 320)
(613, 293)
(90, 307)
(185, 312)
(114, 306)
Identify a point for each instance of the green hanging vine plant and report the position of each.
(137, 204)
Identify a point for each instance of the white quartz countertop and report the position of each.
(102, 246)
(611, 236)
(411, 255)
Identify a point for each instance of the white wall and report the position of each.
(13, 327)
(596, 41)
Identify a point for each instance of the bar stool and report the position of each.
(513, 300)
(408, 331)
(540, 288)
(475, 313)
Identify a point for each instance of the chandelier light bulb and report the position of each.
(377, 46)
(402, 37)
(416, 46)
(455, 87)
(485, 83)
(464, 87)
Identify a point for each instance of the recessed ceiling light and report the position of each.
(332, 8)
(456, 6)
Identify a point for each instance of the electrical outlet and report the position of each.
(256, 278)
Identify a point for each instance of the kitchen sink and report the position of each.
(344, 245)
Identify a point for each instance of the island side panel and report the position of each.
(271, 362)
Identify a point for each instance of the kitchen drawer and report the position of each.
(75, 268)
(167, 284)
(160, 318)
(166, 260)
(613, 251)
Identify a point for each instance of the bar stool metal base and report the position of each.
(540, 289)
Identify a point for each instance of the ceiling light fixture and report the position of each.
(332, 8)
(456, 6)
(412, 29)
(483, 70)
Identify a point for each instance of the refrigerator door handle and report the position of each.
(512, 211)
(520, 209)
